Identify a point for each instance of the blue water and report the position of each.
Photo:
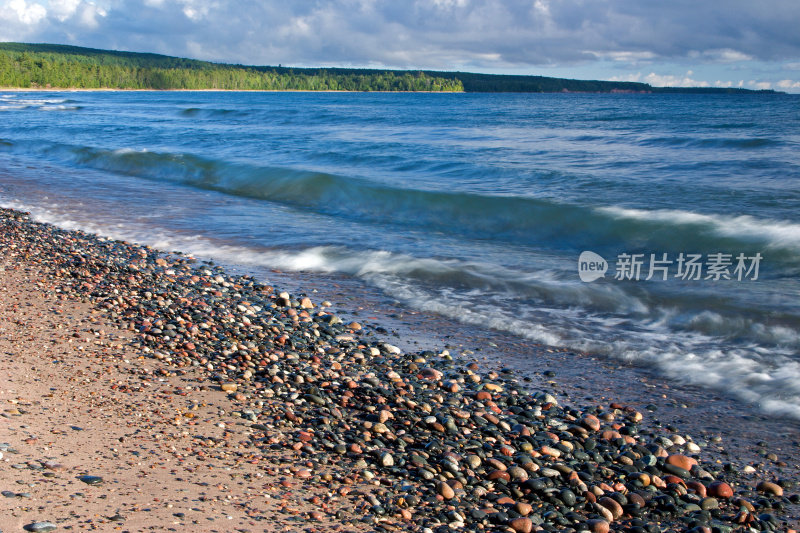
(472, 206)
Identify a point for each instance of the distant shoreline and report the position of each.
(657, 91)
(41, 65)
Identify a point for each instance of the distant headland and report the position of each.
(54, 66)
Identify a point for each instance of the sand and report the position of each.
(73, 393)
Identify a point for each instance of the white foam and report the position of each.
(769, 377)
(774, 233)
(59, 108)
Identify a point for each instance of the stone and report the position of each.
(40, 527)
(522, 525)
(523, 508)
(767, 487)
(612, 505)
(597, 525)
(681, 461)
(720, 489)
(591, 422)
(445, 490)
(229, 387)
(91, 480)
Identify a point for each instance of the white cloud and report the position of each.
(627, 77)
(624, 56)
(20, 11)
(760, 85)
(89, 14)
(723, 55)
(668, 80)
(788, 84)
(63, 9)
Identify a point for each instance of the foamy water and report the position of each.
(474, 207)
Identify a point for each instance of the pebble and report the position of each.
(767, 487)
(720, 489)
(598, 526)
(439, 441)
(40, 527)
(522, 525)
(445, 490)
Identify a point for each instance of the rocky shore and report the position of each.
(325, 424)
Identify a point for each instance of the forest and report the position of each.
(66, 67)
(71, 67)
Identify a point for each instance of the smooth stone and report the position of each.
(612, 505)
(568, 497)
(229, 387)
(522, 525)
(40, 527)
(676, 471)
(598, 526)
(709, 503)
(681, 461)
(767, 487)
(91, 480)
(445, 490)
(720, 489)
(523, 508)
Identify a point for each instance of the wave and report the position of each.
(12, 103)
(729, 143)
(731, 353)
(192, 112)
(772, 233)
(535, 222)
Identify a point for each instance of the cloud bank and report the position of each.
(435, 34)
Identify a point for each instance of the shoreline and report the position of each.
(112, 90)
(360, 404)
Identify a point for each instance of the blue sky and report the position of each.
(732, 43)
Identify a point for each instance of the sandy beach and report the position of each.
(144, 391)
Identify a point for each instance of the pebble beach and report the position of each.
(143, 390)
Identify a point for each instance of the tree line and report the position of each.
(52, 66)
(65, 67)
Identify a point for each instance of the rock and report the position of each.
(91, 480)
(767, 487)
(612, 505)
(523, 508)
(431, 373)
(521, 525)
(229, 387)
(40, 527)
(445, 490)
(590, 422)
(598, 526)
(709, 503)
(681, 461)
(720, 489)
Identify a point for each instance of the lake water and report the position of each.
(472, 206)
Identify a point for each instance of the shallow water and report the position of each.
(474, 207)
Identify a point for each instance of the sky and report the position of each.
(722, 43)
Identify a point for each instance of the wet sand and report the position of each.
(172, 451)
